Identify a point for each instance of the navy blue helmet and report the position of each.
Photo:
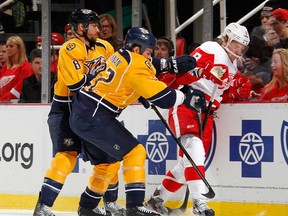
(83, 16)
(140, 37)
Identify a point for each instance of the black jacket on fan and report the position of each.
(31, 90)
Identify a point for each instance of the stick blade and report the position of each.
(210, 194)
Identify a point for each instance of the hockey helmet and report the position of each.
(137, 36)
(56, 38)
(237, 32)
(67, 27)
(83, 16)
(38, 39)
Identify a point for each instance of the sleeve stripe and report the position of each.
(77, 86)
(167, 98)
(160, 97)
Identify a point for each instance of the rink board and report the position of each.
(247, 166)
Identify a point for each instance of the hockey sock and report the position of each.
(169, 186)
(134, 176)
(90, 199)
(111, 194)
(135, 194)
(49, 191)
(195, 183)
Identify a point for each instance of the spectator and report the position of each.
(3, 55)
(31, 91)
(17, 69)
(279, 23)
(277, 88)
(164, 47)
(56, 42)
(255, 64)
(109, 31)
(69, 33)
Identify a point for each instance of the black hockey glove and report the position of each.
(180, 64)
(195, 99)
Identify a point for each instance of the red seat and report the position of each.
(180, 46)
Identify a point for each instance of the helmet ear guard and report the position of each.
(141, 37)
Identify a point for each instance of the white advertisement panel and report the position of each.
(247, 161)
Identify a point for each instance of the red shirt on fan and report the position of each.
(276, 94)
(11, 81)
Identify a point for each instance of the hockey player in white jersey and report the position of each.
(216, 66)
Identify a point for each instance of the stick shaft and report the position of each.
(211, 192)
(209, 107)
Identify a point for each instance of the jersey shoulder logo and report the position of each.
(70, 46)
(149, 64)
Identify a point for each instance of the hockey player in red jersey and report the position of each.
(216, 68)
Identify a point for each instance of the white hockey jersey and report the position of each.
(215, 53)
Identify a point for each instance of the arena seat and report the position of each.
(180, 46)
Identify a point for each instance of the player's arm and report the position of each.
(167, 98)
(174, 65)
(158, 93)
(71, 68)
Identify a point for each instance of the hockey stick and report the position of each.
(210, 193)
(209, 107)
(182, 208)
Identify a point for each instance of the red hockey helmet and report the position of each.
(38, 39)
(56, 39)
(67, 27)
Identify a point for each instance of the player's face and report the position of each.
(39, 45)
(70, 34)
(237, 48)
(93, 31)
(148, 53)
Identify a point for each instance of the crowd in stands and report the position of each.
(264, 62)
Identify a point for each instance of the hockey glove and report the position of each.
(244, 91)
(215, 73)
(180, 64)
(241, 88)
(195, 99)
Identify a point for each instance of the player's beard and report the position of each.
(92, 40)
